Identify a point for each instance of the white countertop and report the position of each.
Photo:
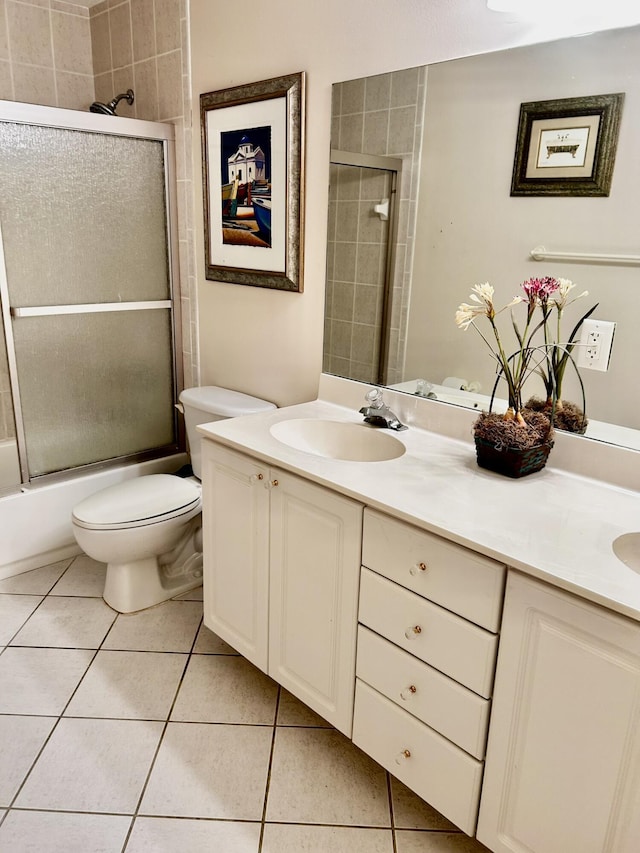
(553, 525)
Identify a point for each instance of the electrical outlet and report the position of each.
(596, 342)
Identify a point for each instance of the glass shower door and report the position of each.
(85, 237)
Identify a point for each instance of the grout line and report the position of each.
(263, 819)
(162, 734)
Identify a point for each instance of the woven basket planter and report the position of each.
(511, 462)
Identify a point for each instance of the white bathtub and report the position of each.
(35, 524)
(9, 467)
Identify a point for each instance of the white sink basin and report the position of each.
(627, 549)
(338, 440)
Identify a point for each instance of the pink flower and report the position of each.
(538, 290)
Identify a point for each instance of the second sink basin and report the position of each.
(342, 440)
(627, 549)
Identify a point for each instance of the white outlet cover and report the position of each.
(596, 342)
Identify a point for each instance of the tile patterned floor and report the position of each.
(146, 733)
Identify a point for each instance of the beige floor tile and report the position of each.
(84, 577)
(57, 832)
(410, 812)
(208, 643)
(129, 685)
(14, 612)
(21, 738)
(77, 623)
(408, 841)
(293, 712)
(35, 582)
(287, 838)
(225, 689)
(205, 770)
(92, 766)
(168, 835)
(168, 627)
(318, 776)
(40, 681)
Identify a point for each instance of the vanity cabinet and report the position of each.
(563, 760)
(281, 562)
(429, 614)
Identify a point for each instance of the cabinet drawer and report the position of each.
(446, 706)
(451, 644)
(437, 770)
(455, 577)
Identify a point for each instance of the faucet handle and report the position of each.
(374, 398)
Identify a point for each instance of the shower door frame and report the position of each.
(41, 116)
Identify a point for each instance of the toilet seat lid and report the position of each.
(153, 497)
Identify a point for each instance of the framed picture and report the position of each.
(567, 146)
(253, 169)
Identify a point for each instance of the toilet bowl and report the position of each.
(148, 530)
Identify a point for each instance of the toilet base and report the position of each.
(143, 583)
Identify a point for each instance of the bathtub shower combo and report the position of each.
(89, 372)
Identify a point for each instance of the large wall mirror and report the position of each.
(420, 210)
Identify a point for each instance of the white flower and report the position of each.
(565, 286)
(466, 314)
(483, 293)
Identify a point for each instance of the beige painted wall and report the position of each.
(473, 231)
(266, 342)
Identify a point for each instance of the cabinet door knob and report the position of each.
(408, 692)
(418, 568)
(405, 755)
(274, 483)
(412, 632)
(255, 478)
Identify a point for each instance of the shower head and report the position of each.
(110, 108)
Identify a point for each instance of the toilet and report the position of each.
(148, 530)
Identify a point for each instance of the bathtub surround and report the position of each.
(26, 546)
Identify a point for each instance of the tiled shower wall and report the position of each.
(65, 55)
(381, 115)
(45, 53)
(144, 45)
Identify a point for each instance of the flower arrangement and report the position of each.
(552, 298)
(539, 350)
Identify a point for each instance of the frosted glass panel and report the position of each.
(94, 386)
(83, 216)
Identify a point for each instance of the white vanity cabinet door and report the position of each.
(563, 758)
(315, 560)
(235, 525)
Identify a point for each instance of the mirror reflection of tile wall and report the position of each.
(357, 242)
(380, 115)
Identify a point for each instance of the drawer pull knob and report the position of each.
(417, 568)
(271, 484)
(405, 755)
(255, 478)
(412, 632)
(408, 692)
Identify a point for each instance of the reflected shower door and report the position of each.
(88, 287)
(359, 338)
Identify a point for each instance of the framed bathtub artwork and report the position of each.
(253, 181)
(567, 147)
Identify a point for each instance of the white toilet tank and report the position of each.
(211, 403)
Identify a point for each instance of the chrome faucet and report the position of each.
(378, 414)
